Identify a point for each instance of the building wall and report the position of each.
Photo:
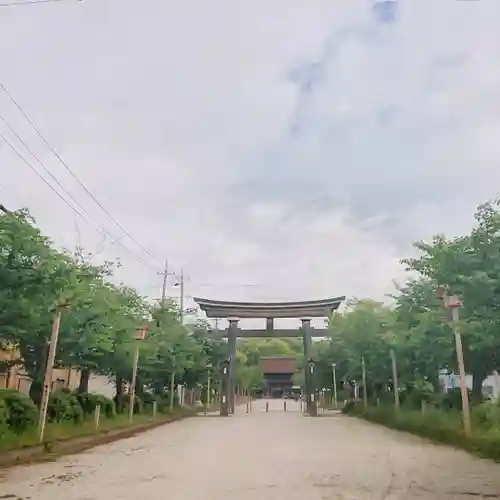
(17, 378)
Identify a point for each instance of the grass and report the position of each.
(438, 425)
(66, 430)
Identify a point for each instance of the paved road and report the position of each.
(263, 456)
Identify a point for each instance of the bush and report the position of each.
(164, 402)
(22, 412)
(64, 406)
(123, 401)
(349, 407)
(486, 415)
(451, 400)
(89, 401)
(487, 443)
(4, 418)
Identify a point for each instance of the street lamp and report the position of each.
(224, 389)
(172, 378)
(209, 367)
(454, 303)
(334, 374)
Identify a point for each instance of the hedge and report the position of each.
(18, 413)
(21, 411)
(441, 426)
(4, 418)
(88, 401)
(64, 406)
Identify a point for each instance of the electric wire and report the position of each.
(29, 2)
(101, 230)
(72, 173)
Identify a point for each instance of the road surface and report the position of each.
(262, 456)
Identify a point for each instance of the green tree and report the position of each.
(470, 267)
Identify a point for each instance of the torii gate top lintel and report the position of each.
(269, 310)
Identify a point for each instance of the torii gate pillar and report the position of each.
(310, 393)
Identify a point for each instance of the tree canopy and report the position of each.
(416, 326)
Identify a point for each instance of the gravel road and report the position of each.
(262, 456)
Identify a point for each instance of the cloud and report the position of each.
(297, 147)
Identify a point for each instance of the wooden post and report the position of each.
(155, 408)
(97, 416)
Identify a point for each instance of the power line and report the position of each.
(35, 157)
(66, 166)
(20, 156)
(29, 2)
(66, 202)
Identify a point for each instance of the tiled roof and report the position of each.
(278, 365)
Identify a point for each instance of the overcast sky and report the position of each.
(296, 146)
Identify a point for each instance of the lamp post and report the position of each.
(365, 392)
(209, 366)
(224, 388)
(172, 379)
(454, 303)
(334, 375)
(140, 334)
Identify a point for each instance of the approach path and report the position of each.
(262, 456)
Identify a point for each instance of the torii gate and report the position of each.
(234, 311)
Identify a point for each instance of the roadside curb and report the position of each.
(52, 450)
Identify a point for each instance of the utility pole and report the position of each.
(395, 379)
(180, 284)
(365, 392)
(182, 296)
(164, 285)
(454, 303)
(47, 383)
(461, 365)
(140, 334)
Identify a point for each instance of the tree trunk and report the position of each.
(35, 392)
(139, 388)
(119, 393)
(83, 387)
(477, 387)
(158, 387)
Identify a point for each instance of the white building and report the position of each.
(491, 385)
